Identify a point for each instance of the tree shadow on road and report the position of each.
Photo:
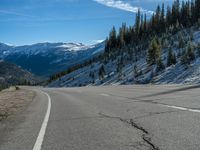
(171, 91)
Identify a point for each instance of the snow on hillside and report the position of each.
(175, 74)
(75, 46)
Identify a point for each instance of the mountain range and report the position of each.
(44, 59)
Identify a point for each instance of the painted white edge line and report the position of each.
(181, 108)
(38, 143)
(103, 94)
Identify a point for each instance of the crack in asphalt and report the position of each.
(132, 123)
(145, 136)
(148, 140)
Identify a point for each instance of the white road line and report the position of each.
(104, 95)
(38, 143)
(181, 108)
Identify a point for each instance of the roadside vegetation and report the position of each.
(14, 100)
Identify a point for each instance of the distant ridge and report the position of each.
(10, 74)
(45, 59)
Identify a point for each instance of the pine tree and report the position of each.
(160, 64)
(181, 41)
(183, 14)
(120, 66)
(162, 18)
(137, 22)
(102, 72)
(158, 18)
(193, 13)
(153, 52)
(174, 59)
(197, 9)
(184, 59)
(190, 52)
(176, 11)
(145, 24)
(122, 34)
(113, 37)
(135, 71)
(198, 50)
(171, 58)
(188, 55)
(168, 16)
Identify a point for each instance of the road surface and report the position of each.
(107, 118)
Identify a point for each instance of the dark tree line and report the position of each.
(75, 67)
(180, 15)
(69, 70)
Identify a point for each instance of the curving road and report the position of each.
(107, 118)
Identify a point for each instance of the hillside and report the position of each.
(11, 74)
(44, 59)
(160, 50)
(139, 72)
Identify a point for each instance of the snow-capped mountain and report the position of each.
(45, 59)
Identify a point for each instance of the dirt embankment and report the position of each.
(14, 100)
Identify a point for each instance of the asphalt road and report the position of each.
(107, 118)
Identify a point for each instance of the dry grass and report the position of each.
(14, 100)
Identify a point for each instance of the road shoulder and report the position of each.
(14, 100)
(19, 131)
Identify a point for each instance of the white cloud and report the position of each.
(8, 12)
(119, 4)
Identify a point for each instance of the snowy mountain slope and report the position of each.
(174, 74)
(45, 59)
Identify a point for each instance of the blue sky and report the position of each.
(86, 21)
